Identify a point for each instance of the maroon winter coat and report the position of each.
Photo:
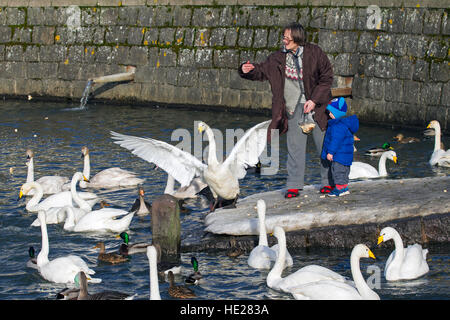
(317, 80)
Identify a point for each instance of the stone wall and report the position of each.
(187, 52)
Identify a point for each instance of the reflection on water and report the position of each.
(56, 132)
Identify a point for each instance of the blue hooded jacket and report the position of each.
(338, 139)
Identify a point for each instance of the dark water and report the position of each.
(56, 132)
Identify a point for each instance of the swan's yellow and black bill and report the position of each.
(380, 240)
(200, 129)
(371, 255)
(20, 195)
(85, 179)
(394, 159)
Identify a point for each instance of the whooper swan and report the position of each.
(439, 157)
(107, 178)
(50, 184)
(365, 170)
(60, 199)
(403, 263)
(62, 269)
(152, 257)
(222, 178)
(336, 290)
(304, 275)
(262, 256)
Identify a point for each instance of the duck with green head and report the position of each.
(378, 151)
(32, 262)
(195, 277)
(180, 292)
(126, 248)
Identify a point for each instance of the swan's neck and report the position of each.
(212, 157)
(154, 286)
(275, 274)
(437, 138)
(70, 218)
(382, 165)
(30, 171)
(80, 202)
(42, 257)
(38, 194)
(361, 285)
(399, 250)
(169, 186)
(262, 230)
(87, 167)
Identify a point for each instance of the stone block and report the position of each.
(128, 16)
(203, 58)
(15, 16)
(437, 49)
(167, 57)
(35, 16)
(260, 38)
(396, 20)
(332, 18)
(348, 19)
(241, 16)
(108, 16)
(345, 64)
(432, 21)
(90, 16)
(405, 68)
(116, 34)
(226, 18)
(66, 36)
(13, 53)
(230, 97)
(70, 71)
(385, 67)
(202, 37)
(330, 41)
(146, 17)
(349, 42)
(411, 92)
(445, 99)
(55, 53)
(421, 70)
(445, 25)
(151, 36)
(103, 54)
(417, 46)
(375, 88)
(42, 70)
(163, 16)
(187, 76)
(274, 38)
(226, 58)
(43, 35)
(261, 55)
(384, 43)
(217, 37)
(52, 18)
(283, 16)
(401, 45)
(166, 36)
(206, 17)
(245, 37)
(440, 71)
(7, 85)
(261, 16)
(246, 55)
(231, 36)
(182, 16)
(186, 58)
(75, 54)
(135, 35)
(210, 97)
(414, 20)
(119, 55)
(394, 90)
(366, 42)
(431, 93)
(317, 17)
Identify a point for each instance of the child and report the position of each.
(338, 146)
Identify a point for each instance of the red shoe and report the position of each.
(291, 193)
(326, 189)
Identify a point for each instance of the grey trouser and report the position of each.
(296, 147)
(340, 173)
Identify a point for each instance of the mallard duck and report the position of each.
(337, 290)
(378, 151)
(222, 178)
(50, 184)
(179, 292)
(194, 278)
(62, 269)
(109, 257)
(234, 251)
(107, 178)
(439, 156)
(365, 170)
(403, 263)
(68, 294)
(127, 248)
(141, 206)
(402, 139)
(310, 273)
(83, 294)
(32, 262)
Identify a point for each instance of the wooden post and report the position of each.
(166, 226)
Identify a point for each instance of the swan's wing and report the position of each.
(247, 150)
(179, 164)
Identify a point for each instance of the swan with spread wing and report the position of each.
(222, 178)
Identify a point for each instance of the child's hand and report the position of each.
(329, 157)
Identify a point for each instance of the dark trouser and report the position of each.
(340, 173)
(296, 147)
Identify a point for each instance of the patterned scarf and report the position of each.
(291, 68)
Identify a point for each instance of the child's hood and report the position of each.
(351, 122)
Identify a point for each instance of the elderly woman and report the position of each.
(300, 76)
